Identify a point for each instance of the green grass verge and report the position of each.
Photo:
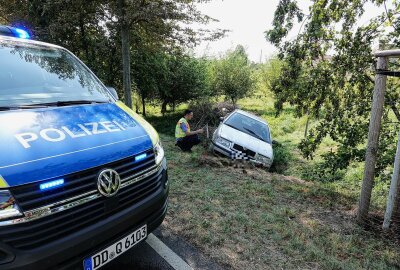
(252, 219)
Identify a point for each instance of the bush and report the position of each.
(206, 112)
(282, 158)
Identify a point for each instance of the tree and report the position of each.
(233, 75)
(104, 33)
(327, 73)
(186, 80)
(164, 19)
(149, 71)
(268, 73)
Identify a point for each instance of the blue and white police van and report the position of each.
(82, 177)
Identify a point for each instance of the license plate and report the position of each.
(113, 251)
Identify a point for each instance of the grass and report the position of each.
(251, 219)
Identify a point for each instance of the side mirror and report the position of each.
(221, 119)
(276, 143)
(113, 92)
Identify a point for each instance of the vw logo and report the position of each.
(108, 182)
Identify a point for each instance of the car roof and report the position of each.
(28, 42)
(253, 116)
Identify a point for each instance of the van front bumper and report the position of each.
(73, 248)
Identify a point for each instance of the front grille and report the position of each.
(247, 151)
(30, 196)
(44, 230)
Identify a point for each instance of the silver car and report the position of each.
(243, 135)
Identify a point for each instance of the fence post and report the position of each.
(373, 137)
(393, 188)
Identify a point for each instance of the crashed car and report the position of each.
(242, 135)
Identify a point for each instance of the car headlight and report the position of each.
(159, 153)
(223, 142)
(8, 206)
(263, 159)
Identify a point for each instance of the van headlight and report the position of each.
(223, 142)
(8, 206)
(159, 153)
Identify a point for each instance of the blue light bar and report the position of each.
(52, 184)
(140, 157)
(14, 32)
(22, 33)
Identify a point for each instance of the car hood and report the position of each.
(51, 142)
(246, 140)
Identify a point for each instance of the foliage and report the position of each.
(327, 74)
(149, 69)
(269, 73)
(91, 30)
(282, 158)
(186, 80)
(233, 75)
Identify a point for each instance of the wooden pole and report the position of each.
(373, 137)
(393, 188)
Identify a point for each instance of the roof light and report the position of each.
(140, 157)
(14, 32)
(21, 33)
(52, 184)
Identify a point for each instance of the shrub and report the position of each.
(282, 158)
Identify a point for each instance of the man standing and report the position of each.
(185, 138)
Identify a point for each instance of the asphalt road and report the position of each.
(161, 251)
(143, 257)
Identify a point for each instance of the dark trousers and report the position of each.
(188, 142)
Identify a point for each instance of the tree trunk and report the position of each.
(373, 139)
(307, 123)
(137, 105)
(126, 61)
(84, 37)
(164, 107)
(143, 106)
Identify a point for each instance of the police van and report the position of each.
(83, 178)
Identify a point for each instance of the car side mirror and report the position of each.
(221, 119)
(274, 142)
(113, 92)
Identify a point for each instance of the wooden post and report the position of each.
(393, 188)
(373, 137)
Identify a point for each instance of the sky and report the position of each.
(248, 20)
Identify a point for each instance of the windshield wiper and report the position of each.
(70, 102)
(254, 134)
(21, 107)
(49, 104)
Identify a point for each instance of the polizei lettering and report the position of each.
(60, 134)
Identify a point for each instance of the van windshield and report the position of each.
(33, 74)
(250, 126)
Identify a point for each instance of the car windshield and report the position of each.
(33, 74)
(250, 126)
